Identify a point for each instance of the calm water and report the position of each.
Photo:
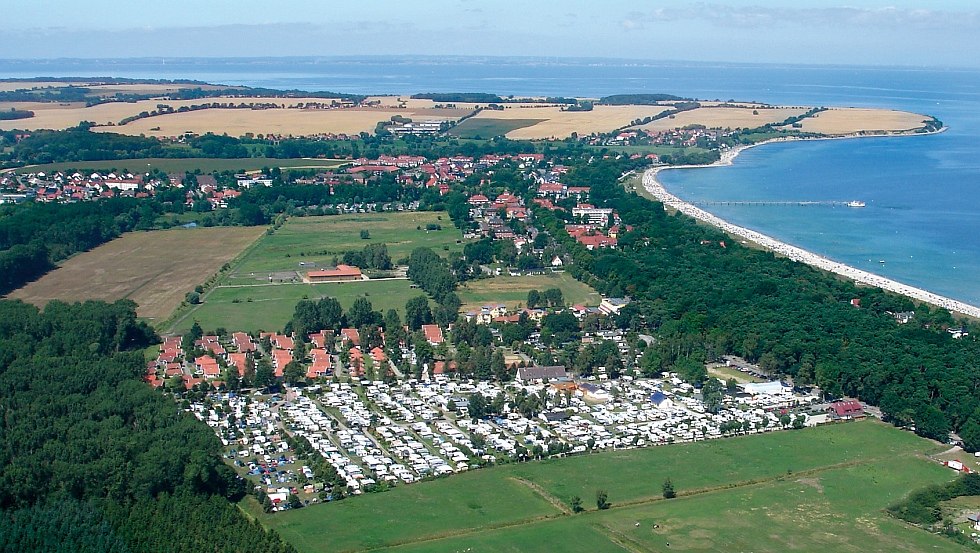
(922, 193)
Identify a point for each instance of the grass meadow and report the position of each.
(269, 306)
(819, 489)
(319, 239)
(513, 290)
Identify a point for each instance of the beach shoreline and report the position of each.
(657, 190)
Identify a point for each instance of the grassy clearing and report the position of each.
(816, 489)
(319, 239)
(513, 290)
(466, 502)
(154, 269)
(205, 165)
(725, 373)
(269, 307)
(489, 128)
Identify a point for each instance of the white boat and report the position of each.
(855, 203)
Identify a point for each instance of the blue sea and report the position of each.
(921, 223)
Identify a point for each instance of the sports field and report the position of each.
(155, 269)
(513, 290)
(820, 489)
(206, 165)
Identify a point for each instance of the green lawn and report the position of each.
(180, 165)
(821, 489)
(319, 239)
(488, 128)
(475, 500)
(513, 290)
(271, 306)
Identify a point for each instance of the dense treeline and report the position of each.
(88, 451)
(373, 256)
(707, 295)
(922, 507)
(638, 99)
(431, 272)
(463, 97)
(82, 93)
(35, 236)
(78, 144)
(11, 114)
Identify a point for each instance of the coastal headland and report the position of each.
(657, 190)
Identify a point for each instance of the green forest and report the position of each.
(91, 458)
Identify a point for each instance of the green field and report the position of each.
(489, 128)
(245, 300)
(271, 306)
(513, 290)
(319, 239)
(180, 165)
(470, 501)
(821, 489)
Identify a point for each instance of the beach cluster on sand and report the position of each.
(652, 185)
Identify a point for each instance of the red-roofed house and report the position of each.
(849, 409)
(350, 335)
(207, 365)
(321, 338)
(239, 360)
(356, 362)
(281, 358)
(243, 342)
(281, 341)
(321, 364)
(433, 334)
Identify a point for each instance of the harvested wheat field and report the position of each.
(9, 86)
(853, 120)
(62, 116)
(561, 124)
(296, 122)
(155, 269)
(725, 118)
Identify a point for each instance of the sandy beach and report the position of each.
(653, 186)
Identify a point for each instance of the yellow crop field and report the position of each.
(725, 118)
(561, 124)
(233, 121)
(154, 269)
(853, 120)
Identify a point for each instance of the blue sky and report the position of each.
(877, 32)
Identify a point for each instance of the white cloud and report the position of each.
(764, 16)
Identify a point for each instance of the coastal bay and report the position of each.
(659, 192)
